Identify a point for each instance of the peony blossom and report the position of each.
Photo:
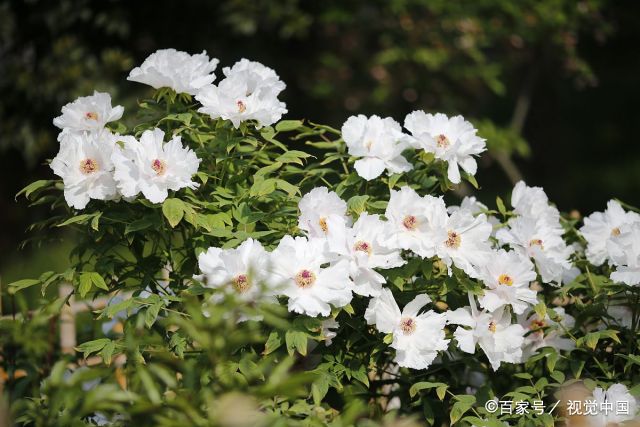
(544, 332)
(241, 271)
(462, 240)
(152, 167)
(603, 230)
(452, 139)
(417, 338)
(536, 239)
(88, 113)
(318, 208)
(249, 91)
(85, 166)
(177, 70)
(536, 232)
(361, 245)
(506, 276)
(297, 269)
(500, 340)
(625, 255)
(411, 221)
(378, 143)
(623, 406)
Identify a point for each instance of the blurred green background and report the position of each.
(552, 84)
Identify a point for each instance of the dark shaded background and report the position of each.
(552, 84)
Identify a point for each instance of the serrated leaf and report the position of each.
(92, 346)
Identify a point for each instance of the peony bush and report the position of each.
(282, 272)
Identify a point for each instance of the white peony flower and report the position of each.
(506, 276)
(88, 113)
(411, 221)
(500, 340)
(616, 397)
(625, 255)
(417, 338)
(603, 229)
(241, 271)
(532, 202)
(266, 75)
(248, 92)
(380, 142)
(546, 332)
(177, 70)
(318, 208)
(452, 139)
(152, 167)
(463, 240)
(474, 207)
(362, 247)
(85, 166)
(538, 240)
(297, 268)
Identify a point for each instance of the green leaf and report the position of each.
(34, 186)
(151, 313)
(85, 284)
(92, 346)
(78, 219)
(107, 352)
(500, 205)
(463, 404)
(296, 340)
(293, 156)
(273, 343)
(424, 385)
(288, 125)
(22, 284)
(173, 210)
(357, 204)
(97, 280)
(441, 391)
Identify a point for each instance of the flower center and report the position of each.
(453, 239)
(410, 222)
(505, 279)
(88, 166)
(323, 224)
(159, 166)
(368, 144)
(91, 116)
(241, 283)
(442, 141)
(305, 278)
(492, 327)
(536, 242)
(615, 232)
(363, 247)
(241, 107)
(408, 325)
(537, 324)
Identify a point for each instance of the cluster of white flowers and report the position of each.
(93, 165)
(613, 236)
(249, 90)
(340, 257)
(536, 232)
(379, 143)
(96, 164)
